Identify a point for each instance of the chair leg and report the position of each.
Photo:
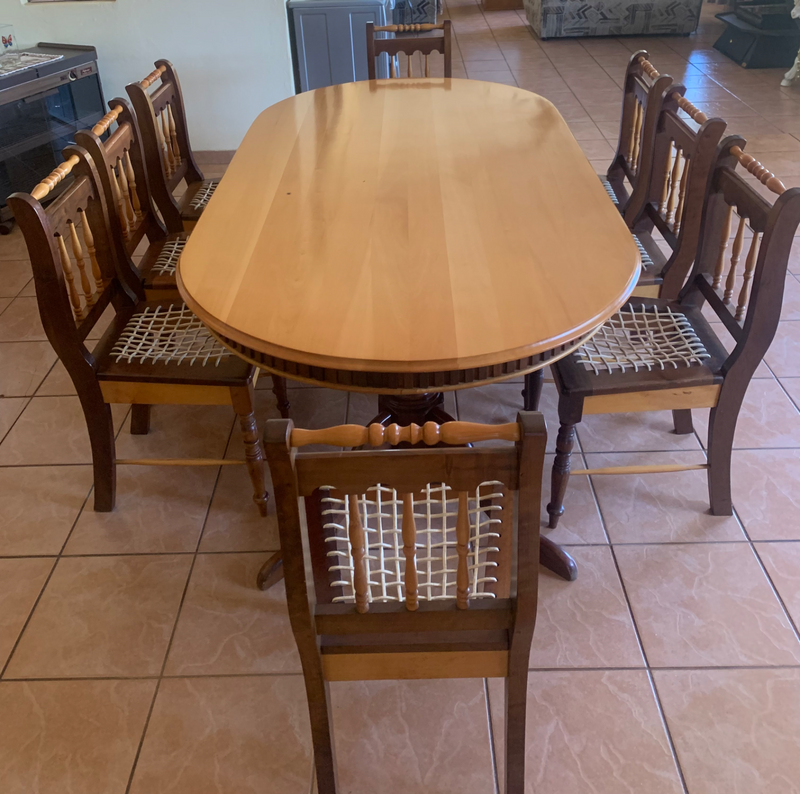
(560, 476)
(721, 428)
(281, 395)
(682, 419)
(243, 403)
(516, 687)
(532, 392)
(140, 420)
(100, 425)
(319, 711)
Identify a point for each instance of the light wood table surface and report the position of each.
(407, 237)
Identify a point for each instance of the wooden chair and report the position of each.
(662, 354)
(152, 353)
(168, 154)
(409, 45)
(121, 167)
(644, 92)
(682, 159)
(415, 570)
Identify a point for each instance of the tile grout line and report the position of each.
(492, 748)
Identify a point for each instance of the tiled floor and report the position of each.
(137, 656)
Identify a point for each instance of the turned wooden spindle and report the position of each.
(410, 57)
(637, 137)
(687, 107)
(88, 238)
(152, 77)
(54, 177)
(358, 548)
(410, 553)
(392, 67)
(674, 186)
(462, 549)
(455, 433)
(420, 27)
(723, 245)
(736, 252)
(676, 226)
(648, 68)
(163, 146)
(117, 193)
(77, 250)
(759, 171)
(662, 205)
(125, 193)
(173, 136)
(167, 140)
(106, 121)
(427, 68)
(749, 267)
(66, 266)
(131, 177)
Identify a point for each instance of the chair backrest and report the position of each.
(165, 138)
(409, 45)
(644, 91)
(746, 293)
(423, 537)
(72, 256)
(120, 164)
(683, 157)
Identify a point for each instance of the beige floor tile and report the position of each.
(248, 735)
(158, 510)
(701, 605)
(10, 409)
(782, 561)
(180, 431)
(649, 431)
(71, 736)
(228, 626)
(783, 356)
(57, 383)
(658, 508)
(765, 492)
(38, 507)
(590, 731)
(412, 736)
(585, 623)
(21, 581)
(581, 521)
(12, 246)
(735, 731)
(52, 430)
(20, 322)
(103, 616)
(767, 418)
(792, 386)
(14, 275)
(23, 366)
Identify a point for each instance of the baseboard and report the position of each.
(214, 157)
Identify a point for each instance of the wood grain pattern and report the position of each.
(320, 215)
(408, 666)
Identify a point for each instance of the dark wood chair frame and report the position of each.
(409, 45)
(144, 223)
(177, 215)
(71, 300)
(359, 643)
(719, 383)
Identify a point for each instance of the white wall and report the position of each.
(232, 56)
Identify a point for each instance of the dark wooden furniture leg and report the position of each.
(557, 560)
(281, 395)
(560, 477)
(140, 420)
(271, 572)
(243, 403)
(682, 420)
(532, 392)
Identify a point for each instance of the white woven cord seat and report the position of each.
(647, 262)
(167, 260)
(168, 334)
(436, 554)
(203, 194)
(610, 190)
(646, 338)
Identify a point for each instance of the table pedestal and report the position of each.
(406, 409)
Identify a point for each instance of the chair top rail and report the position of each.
(105, 122)
(57, 175)
(153, 76)
(684, 104)
(416, 28)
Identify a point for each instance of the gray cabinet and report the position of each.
(330, 39)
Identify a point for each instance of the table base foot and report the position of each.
(271, 572)
(557, 560)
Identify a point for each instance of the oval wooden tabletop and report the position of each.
(408, 226)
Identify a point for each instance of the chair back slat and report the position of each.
(410, 578)
(408, 45)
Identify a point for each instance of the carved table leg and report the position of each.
(555, 559)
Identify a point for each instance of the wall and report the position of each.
(232, 56)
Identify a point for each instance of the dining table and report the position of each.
(406, 238)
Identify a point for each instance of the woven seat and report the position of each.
(167, 260)
(610, 190)
(648, 266)
(436, 544)
(167, 334)
(644, 337)
(203, 194)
